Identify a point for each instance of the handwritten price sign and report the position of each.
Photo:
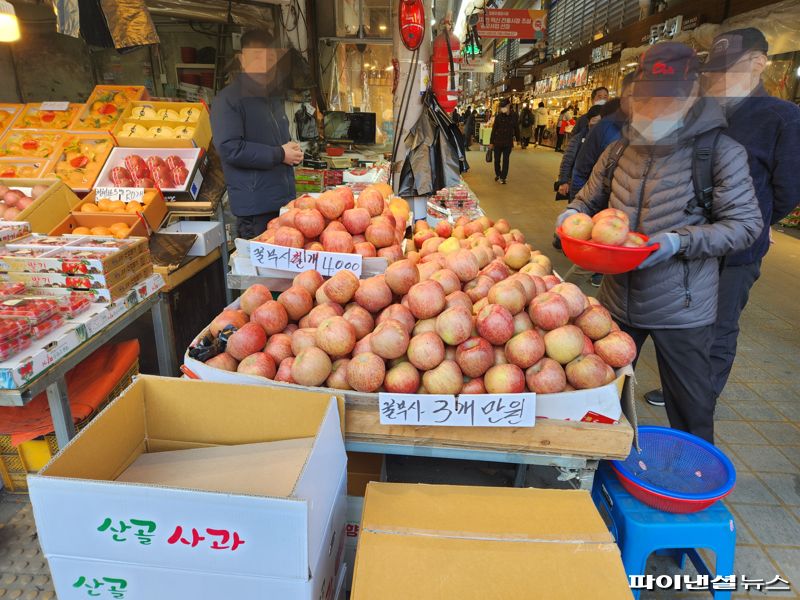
(466, 410)
(120, 193)
(297, 260)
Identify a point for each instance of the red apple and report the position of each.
(578, 226)
(564, 344)
(390, 339)
(549, 311)
(365, 372)
(248, 339)
(259, 364)
(475, 356)
(504, 379)
(426, 299)
(611, 231)
(446, 378)
(311, 367)
(426, 351)
(335, 336)
(595, 322)
(617, 349)
(586, 372)
(525, 349)
(253, 297)
(223, 361)
(402, 379)
(454, 325)
(546, 377)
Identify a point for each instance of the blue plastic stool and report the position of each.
(641, 530)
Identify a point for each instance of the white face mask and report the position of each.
(655, 130)
(504, 110)
(600, 102)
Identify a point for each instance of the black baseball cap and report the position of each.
(666, 69)
(731, 46)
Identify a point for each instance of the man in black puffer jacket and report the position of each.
(672, 296)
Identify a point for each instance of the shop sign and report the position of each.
(556, 69)
(298, 260)
(477, 64)
(666, 30)
(464, 410)
(601, 53)
(518, 24)
(528, 79)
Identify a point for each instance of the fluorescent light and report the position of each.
(9, 25)
(382, 27)
(390, 68)
(632, 64)
(433, 22)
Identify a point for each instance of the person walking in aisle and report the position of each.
(455, 117)
(504, 131)
(769, 129)
(469, 127)
(672, 295)
(251, 135)
(564, 125)
(526, 123)
(598, 98)
(541, 123)
(573, 147)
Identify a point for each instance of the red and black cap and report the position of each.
(729, 47)
(667, 69)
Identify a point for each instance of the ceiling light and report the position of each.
(390, 68)
(632, 64)
(9, 25)
(382, 27)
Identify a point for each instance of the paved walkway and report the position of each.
(758, 419)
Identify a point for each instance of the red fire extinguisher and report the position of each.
(444, 69)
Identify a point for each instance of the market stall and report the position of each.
(573, 431)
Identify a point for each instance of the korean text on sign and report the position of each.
(466, 410)
(297, 260)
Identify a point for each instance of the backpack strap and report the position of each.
(617, 150)
(703, 172)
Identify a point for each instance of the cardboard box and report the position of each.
(8, 114)
(288, 547)
(154, 212)
(38, 116)
(16, 142)
(201, 137)
(105, 107)
(79, 160)
(471, 543)
(82, 261)
(48, 209)
(362, 468)
(22, 168)
(210, 235)
(137, 266)
(196, 163)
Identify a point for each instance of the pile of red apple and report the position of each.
(158, 172)
(373, 224)
(610, 227)
(13, 202)
(481, 314)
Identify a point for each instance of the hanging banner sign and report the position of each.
(477, 64)
(517, 24)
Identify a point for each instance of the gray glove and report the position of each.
(669, 244)
(562, 217)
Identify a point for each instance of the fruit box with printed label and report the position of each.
(482, 542)
(166, 541)
(140, 265)
(151, 124)
(49, 208)
(124, 289)
(87, 215)
(177, 172)
(77, 260)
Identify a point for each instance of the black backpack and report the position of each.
(527, 118)
(702, 171)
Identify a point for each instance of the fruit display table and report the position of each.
(574, 448)
(53, 381)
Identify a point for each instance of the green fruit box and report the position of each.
(46, 352)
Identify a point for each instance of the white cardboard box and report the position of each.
(193, 532)
(156, 583)
(210, 235)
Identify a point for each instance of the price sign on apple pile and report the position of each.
(297, 260)
(125, 194)
(465, 410)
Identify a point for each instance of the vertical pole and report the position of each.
(414, 106)
(60, 412)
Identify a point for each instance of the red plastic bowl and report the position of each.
(334, 151)
(600, 258)
(662, 502)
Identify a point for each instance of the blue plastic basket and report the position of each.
(675, 471)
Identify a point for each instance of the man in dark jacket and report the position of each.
(606, 132)
(251, 134)
(504, 131)
(469, 127)
(769, 129)
(573, 148)
(672, 296)
(598, 98)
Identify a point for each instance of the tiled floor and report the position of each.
(758, 417)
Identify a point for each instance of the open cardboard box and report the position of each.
(49, 209)
(474, 543)
(202, 126)
(291, 545)
(195, 160)
(154, 212)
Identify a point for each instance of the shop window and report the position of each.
(373, 17)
